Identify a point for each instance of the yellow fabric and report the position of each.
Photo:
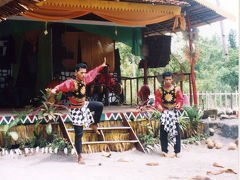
(111, 5)
(49, 14)
(131, 14)
(182, 22)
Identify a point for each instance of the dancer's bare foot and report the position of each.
(164, 154)
(172, 155)
(94, 127)
(177, 155)
(80, 159)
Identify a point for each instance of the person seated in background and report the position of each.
(106, 82)
(143, 94)
(10, 94)
(107, 85)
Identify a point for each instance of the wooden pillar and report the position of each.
(145, 71)
(192, 63)
(145, 54)
(181, 85)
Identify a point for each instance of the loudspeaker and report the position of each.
(158, 51)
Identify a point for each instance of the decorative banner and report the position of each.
(66, 118)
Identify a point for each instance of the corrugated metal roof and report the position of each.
(13, 7)
(200, 13)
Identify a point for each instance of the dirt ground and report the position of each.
(195, 160)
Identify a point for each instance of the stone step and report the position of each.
(226, 128)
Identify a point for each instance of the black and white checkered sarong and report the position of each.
(169, 119)
(81, 116)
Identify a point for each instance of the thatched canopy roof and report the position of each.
(14, 7)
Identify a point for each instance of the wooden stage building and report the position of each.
(54, 35)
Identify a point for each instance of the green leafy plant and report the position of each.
(194, 115)
(9, 135)
(28, 142)
(183, 123)
(48, 110)
(21, 143)
(43, 143)
(60, 143)
(197, 137)
(156, 114)
(148, 140)
(37, 135)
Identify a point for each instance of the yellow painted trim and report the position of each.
(111, 5)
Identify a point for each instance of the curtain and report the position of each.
(44, 63)
(131, 14)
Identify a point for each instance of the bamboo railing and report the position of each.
(210, 100)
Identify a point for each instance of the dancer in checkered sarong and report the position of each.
(80, 109)
(168, 100)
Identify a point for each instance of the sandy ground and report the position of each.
(195, 160)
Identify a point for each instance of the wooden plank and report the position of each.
(65, 132)
(137, 88)
(101, 137)
(220, 95)
(133, 136)
(102, 128)
(215, 100)
(131, 91)
(236, 99)
(125, 89)
(226, 99)
(110, 142)
(206, 99)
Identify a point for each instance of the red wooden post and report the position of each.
(125, 88)
(137, 88)
(192, 63)
(131, 89)
(190, 89)
(154, 83)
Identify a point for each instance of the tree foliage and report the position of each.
(212, 71)
(232, 39)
